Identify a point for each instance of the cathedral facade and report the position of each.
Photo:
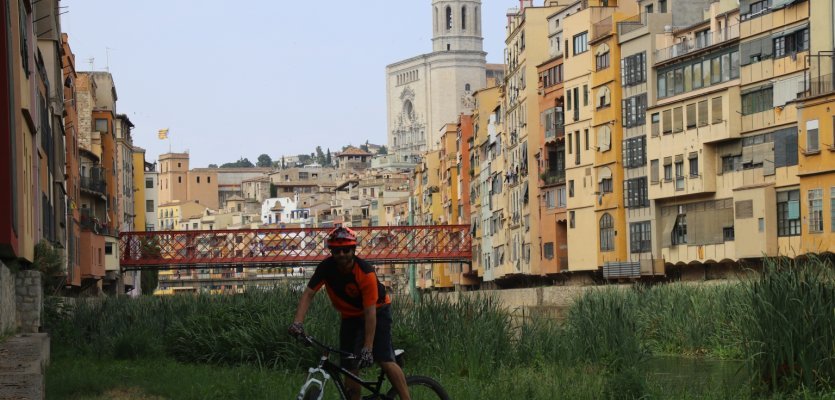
(427, 91)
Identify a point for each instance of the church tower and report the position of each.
(456, 25)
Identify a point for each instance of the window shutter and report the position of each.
(703, 118)
(717, 110)
(744, 209)
(667, 121)
(653, 171)
(678, 120)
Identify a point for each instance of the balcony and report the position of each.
(821, 85)
(692, 45)
(94, 184)
(553, 177)
(602, 28)
(632, 23)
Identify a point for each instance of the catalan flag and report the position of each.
(163, 134)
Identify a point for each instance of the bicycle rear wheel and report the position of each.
(421, 388)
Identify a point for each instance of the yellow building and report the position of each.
(429, 210)
(139, 202)
(487, 194)
(171, 214)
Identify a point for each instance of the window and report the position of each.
(640, 237)
(791, 43)
(656, 124)
(108, 248)
(208, 179)
(679, 174)
(603, 97)
(694, 164)
(179, 179)
(607, 233)
(678, 120)
(716, 110)
(668, 169)
(662, 6)
(703, 117)
(635, 193)
(606, 185)
(633, 112)
(448, 19)
(633, 69)
(602, 60)
(679, 234)
(728, 234)
(571, 188)
(585, 95)
(149, 183)
(691, 116)
(757, 100)
(648, 9)
(653, 171)
(581, 44)
(832, 208)
(756, 8)
(561, 197)
(634, 152)
(101, 125)
(667, 126)
(697, 75)
(548, 250)
(149, 206)
(812, 142)
(463, 17)
(198, 179)
(815, 198)
(571, 219)
(788, 213)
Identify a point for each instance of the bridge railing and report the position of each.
(292, 246)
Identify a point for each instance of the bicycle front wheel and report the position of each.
(312, 393)
(421, 388)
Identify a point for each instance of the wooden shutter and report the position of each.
(717, 110)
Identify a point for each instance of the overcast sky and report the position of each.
(237, 79)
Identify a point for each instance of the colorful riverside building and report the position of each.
(552, 214)
(487, 195)
(816, 125)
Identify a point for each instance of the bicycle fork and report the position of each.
(312, 380)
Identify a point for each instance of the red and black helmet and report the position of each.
(341, 237)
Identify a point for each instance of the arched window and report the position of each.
(448, 18)
(476, 16)
(463, 17)
(604, 97)
(607, 233)
(467, 87)
(435, 21)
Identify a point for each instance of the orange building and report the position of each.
(73, 179)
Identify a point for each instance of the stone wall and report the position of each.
(29, 301)
(8, 315)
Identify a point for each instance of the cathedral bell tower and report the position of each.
(456, 25)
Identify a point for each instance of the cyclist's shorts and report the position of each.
(352, 336)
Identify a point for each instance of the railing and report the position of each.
(553, 177)
(297, 247)
(97, 185)
(823, 84)
(688, 46)
(557, 131)
(632, 23)
(602, 28)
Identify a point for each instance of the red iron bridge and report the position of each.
(258, 248)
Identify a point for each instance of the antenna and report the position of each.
(107, 52)
(92, 62)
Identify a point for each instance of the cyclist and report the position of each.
(361, 299)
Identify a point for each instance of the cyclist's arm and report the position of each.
(304, 304)
(370, 314)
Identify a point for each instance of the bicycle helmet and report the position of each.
(341, 237)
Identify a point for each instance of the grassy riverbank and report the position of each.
(781, 325)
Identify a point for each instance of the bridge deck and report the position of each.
(249, 248)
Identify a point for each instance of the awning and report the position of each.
(602, 49)
(777, 4)
(604, 173)
(789, 31)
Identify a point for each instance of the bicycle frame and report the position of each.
(327, 370)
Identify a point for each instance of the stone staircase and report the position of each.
(23, 361)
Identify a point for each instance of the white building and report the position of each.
(151, 197)
(427, 91)
(285, 210)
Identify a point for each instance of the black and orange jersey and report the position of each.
(350, 293)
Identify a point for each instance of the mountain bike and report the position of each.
(420, 387)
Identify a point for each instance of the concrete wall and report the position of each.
(29, 300)
(8, 314)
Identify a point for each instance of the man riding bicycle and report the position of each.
(361, 299)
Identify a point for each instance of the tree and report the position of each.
(383, 150)
(304, 158)
(212, 165)
(320, 155)
(242, 163)
(328, 159)
(364, 147)
(264, 161)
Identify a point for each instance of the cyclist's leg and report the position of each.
(350, 332)
(397, 378)
(384, 352)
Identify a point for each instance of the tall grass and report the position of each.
(782, 322)
(791, 325)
